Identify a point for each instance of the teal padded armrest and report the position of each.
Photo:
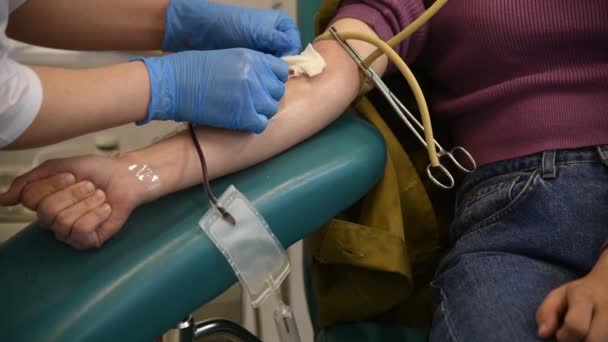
(162, 266)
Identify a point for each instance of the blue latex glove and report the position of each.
(236, 89)
(202, 25)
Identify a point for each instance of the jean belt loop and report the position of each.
(549, 169)
(603, 151)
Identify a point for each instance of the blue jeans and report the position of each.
(522, 228)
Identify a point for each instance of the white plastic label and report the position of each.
(254, 253)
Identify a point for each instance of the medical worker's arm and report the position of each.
(90, 24)
(191, 86)
(309, 105)
(77, 102)
(170, 25)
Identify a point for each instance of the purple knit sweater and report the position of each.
(513, 77)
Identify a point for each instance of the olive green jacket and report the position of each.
(376, 259)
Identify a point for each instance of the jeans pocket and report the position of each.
(490, 200)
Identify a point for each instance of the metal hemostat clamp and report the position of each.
(410, 120)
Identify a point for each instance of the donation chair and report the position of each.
(146, 281)
(161, 266)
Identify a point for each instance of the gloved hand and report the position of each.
(236, 89)
(203, 25)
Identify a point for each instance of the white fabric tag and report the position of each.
(309, 63)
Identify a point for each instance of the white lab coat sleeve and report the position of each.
(20, 99)
(20, 87)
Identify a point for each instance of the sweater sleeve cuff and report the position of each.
(367, 14)
(388, 18)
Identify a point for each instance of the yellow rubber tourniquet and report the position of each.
(386, 48)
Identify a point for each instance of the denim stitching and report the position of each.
(577, 162)
(479, 178)
(527, 189)
(446, 315)
(510, 190)
(572, 165)
(480, 194)
(525, 193)
(463, 210)
(567, 163)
